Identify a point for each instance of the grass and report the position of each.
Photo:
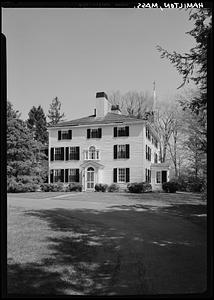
(129, 249)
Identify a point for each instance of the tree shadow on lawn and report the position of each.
(86, 259)
(99, 253)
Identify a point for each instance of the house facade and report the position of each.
(106, 147)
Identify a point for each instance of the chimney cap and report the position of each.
(101, 95)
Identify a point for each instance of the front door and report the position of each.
(90, 178)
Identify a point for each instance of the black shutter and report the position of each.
(88, 133)
(77, 153)
(99, 132)
(77, 175)
(127, 175)
(127, 130)
(115, 131)
(52, 154)
(115, 175)
(115, 151)
(66, 175)
(127, 150)
(62, 175)
(70, 134)
(67, 153)
(51, 176)
(59, 135)
(62, 153)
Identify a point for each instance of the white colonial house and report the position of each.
(106, 147)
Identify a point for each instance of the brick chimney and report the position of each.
(103, 106)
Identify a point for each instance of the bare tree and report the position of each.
(132, 103)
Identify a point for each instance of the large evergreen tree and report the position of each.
(54, 113)
(25, 161)
(193, 65)
(37, 124)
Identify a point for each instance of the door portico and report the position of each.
(91, 173)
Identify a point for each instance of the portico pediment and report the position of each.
(93, 164)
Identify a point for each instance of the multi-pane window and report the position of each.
(58, 153)
(73, 153)
(121, 175)
(158, 177)
(121, 151)
(94, 133)
(151, 137)
(148, 153)
(64, 134)
(56, 175)
(148, 175)
(72, 175)
(156, 158)
(121, 131)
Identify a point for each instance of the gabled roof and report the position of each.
(91, 120)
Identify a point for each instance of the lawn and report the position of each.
(106, 244)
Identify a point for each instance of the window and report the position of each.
(148, 133)
(57, 175)
(148, 153)
(121, 151)
(121, 131)
(92, 153)
(58, 153)
(156, 158)
(148, 176)
(72, 175)
(158, 177)
(94, 133)
(121, 175)
(73, 153)
(64, 134)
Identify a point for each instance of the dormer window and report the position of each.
(121, 131)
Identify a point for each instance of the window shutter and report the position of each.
(62, 153)
(67, 153)
(88, 133)
(70, 134)
(127, 175)
(52, 154)
(127, 150)
(59, 135)
(115, 151)
(51, 176)
(66, 175)
(77, 175)
(127, 130)
(115, 131)
(100, 132)
(115, 175)
(62, 175)
(77, 153)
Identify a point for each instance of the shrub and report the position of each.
(14, 186)
(100, 187)
(113, 188)
(139, 187)
(52, 187)
(74, 187)
(195, 185)
(170, 186)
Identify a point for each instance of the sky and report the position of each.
(72, 53)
